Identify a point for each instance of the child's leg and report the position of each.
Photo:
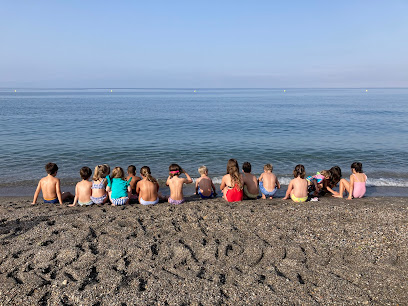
(343, 186)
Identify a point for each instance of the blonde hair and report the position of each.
(202, 170)
(145, 172)
(326, 174)
(268, 167)
(118, 173)
(233, 171)
(98, 173)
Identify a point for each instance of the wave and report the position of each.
(371, 182)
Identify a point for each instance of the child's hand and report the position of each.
(71, 205)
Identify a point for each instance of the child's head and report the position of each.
(85, 173)
(358, 167)
(174, 170)
(326, 174)
(299, 171)
(99, 172)
(203, 170)
(51, 168)
(335, 175)
(106, 170)
(145, 172)
(233, 171)
(268, 167)
(246, 167)
(131, 170)
(118, 172)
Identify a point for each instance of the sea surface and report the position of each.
(318, 128)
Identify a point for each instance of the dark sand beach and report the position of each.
(205, 252)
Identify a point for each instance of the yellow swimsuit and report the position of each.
(295, 199)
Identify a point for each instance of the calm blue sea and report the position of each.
(319, 128)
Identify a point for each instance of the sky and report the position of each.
(203, 44)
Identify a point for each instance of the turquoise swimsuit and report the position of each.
(118, 187)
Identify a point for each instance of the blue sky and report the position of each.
(204, 44)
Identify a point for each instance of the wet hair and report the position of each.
(299, 171)
(268, 167)
(131, 170)
(335, 175)
(202, 170)
(51, 168)
(233, 171)
(85, 173)
(357, 166)
(246, 167)
(145, 172)
(175, 170)
(326, 174)
(118, 172)
(101, 171)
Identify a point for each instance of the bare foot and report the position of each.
(270, 198)
(337, 196)
(263, 197)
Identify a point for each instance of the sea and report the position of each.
(318, 128)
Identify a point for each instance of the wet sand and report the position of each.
(208, 252)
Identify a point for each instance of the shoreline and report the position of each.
(205, 251)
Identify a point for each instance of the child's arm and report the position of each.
(290, 187)
(76, 196)
(260, 179)
(37, 192)
(188, 180)
(129, 189)
(350, 196)
(58, 187)
(137, 188)
(168, 181)
(223, 184)
(196, 186)
(277, 183)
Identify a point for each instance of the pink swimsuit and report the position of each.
(359, 188)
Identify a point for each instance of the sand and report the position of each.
(205, 252)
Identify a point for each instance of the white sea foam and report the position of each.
(371, 182)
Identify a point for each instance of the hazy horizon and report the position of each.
(131, 44)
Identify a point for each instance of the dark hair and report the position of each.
(132, 170)
(51, 168)
(335, 175)
(246, 167)
(299, 171)
(175, 170)
(357, 166)
(233, 171)
(85, 173)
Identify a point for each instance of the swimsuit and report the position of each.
(266, 192)
(99, 200)
(100, 185)
(119, 201)
(318, 177)
(143, 202)
(248, 194)
(234, 194)
(205, 197)
(86, 203)
(52, 201)
(359, 188)
(118, 187)
(171, 201)
(299, 200)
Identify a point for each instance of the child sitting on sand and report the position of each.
(118, 188)
(232, 183)
(251, 190)
(83, 189)
(51, 187)
(204, 185)
(133, 179)
(297, 188)
(268, 182)
(147, 188)
(318, 181)
(99, 182)
(356, 188)
(176, 184)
